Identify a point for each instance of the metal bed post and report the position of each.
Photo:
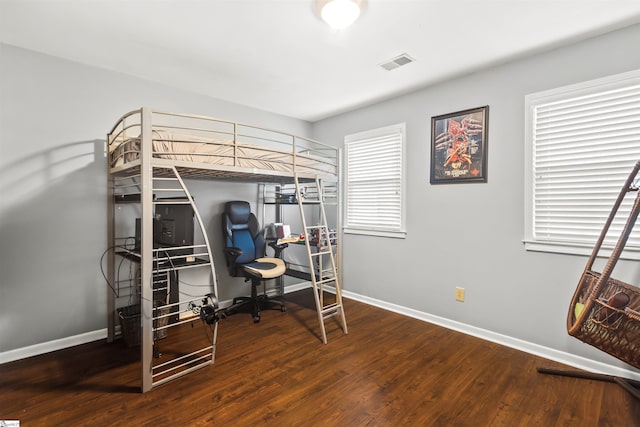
(111, 298)
(146, 264)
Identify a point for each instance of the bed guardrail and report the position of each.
(206, 142)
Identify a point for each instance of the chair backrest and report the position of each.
(242, 230)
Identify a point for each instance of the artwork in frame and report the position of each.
(459, 146)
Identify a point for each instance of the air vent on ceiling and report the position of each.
(396, 62)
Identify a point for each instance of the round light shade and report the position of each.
(339, 14)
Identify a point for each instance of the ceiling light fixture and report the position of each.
(339, 14)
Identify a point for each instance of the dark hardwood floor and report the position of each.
(390, 370)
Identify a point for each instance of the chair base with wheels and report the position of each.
(255, 303)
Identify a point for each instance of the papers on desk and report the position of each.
(283, 234)
(288, 240)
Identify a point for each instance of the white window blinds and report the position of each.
(374, 181)
(584, 140)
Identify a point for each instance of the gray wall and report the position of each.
(54, 115)
(470, 235)
(53, 118)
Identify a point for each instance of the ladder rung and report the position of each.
(321, 253)
(323, 281)
(330, 308)
(166, 202)
(314, 227)
(329, 316)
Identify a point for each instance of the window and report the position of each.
(581, 143)
(374, 181)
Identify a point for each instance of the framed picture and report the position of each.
(459, 146)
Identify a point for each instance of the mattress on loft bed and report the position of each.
(195, 149)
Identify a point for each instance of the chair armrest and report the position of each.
(278, 248)
(232, 254)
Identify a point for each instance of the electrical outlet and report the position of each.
(459, 294)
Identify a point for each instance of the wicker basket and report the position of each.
(612, 330)
(130, 324)
(592, 317)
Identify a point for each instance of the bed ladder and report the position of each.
(323, 249)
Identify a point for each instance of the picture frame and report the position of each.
(459, 146)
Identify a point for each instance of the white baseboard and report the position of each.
(297, 287)
(578, 362)
(49, 346)
(528, 347)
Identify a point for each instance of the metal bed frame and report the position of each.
(140, 173)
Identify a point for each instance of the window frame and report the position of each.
(535, 100)
(398, 231)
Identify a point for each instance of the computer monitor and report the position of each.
(172, 226)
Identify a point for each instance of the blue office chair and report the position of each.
(244, 253)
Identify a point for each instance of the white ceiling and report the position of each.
(277, 55)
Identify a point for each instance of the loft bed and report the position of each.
(150, 154)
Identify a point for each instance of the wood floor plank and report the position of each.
(390, 370)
